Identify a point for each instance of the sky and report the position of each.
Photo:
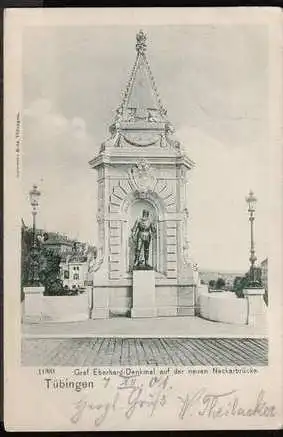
(213, 81)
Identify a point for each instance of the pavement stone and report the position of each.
(127, 327)
(106, 351)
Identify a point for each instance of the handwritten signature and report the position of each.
(216, 405)
(131, 395)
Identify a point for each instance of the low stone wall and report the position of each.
(223, 307)
(170, 300)
(166, 301)
(200, 289)
(65, 308)
(120, 301)
(186, 300)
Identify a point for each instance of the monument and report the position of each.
(142, 234)
(143, 267)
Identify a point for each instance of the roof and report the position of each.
(58, 242)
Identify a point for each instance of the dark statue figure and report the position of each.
(142, 234)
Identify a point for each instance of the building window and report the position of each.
(76, 276)
(66, 274)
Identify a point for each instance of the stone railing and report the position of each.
(38, 308)
(226, 307)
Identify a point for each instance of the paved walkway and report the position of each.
(145, 351)
(126, 327)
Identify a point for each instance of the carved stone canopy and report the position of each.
(142, 177)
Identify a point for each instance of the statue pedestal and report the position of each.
(143, 294)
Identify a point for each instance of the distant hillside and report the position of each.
(212, 275)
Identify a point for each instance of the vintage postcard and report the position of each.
(143, 219)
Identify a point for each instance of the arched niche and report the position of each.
(135, 212)
(132, 209)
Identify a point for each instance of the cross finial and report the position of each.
(141, 42)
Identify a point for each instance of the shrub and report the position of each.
(54, 288)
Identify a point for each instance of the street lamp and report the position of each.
(251, 201)
(34, 195)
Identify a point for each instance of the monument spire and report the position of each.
(141, 42)
(141, 100)
(141, 119)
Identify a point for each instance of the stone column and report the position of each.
(33, 303)
(256, 306)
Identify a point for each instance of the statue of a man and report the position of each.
(142, 233)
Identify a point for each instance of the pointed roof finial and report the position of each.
(141, 42)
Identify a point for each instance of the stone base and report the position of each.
(144, 294)
(100, 303)
(164, 311)
(34, 290)
(100, 313)
(183, 311)
(142, 267)
(143, 312)
(117, 298)
(253, 291)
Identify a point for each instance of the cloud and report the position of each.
(42, 122)
(56, 151)
(218, 186)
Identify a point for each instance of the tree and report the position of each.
(241, 282)
(27, 240)
(49, 260)
(236, 283)
(49, 263)
(212, 284)
(220, 284)
(49, 273)
(257, 282)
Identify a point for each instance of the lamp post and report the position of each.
(34, 195)
(251, 201)
(254, 291)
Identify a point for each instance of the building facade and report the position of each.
(57, 243)
(142, 166)
(73, 274)
(75, 264)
